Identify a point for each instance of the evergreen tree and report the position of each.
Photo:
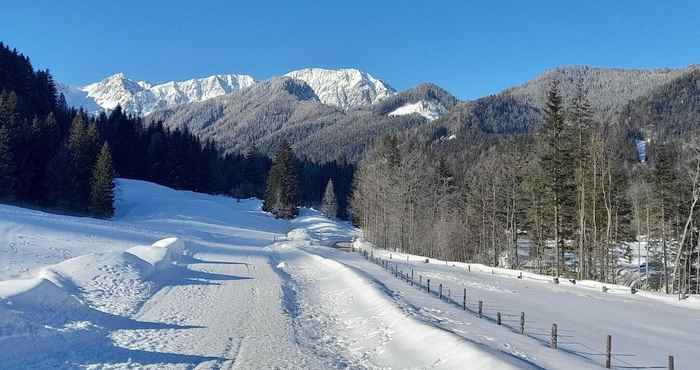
(102, 185)
(7, 164)
(330, 204)
(282, 193)
(665, 186)
(559, 165)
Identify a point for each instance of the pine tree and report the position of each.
(330, 204)
(665, 186)
(102, 185)
(559, 166)
(7, 164)
(282, 193)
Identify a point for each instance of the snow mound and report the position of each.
(160, 254)
(40, 292)
(299, 235)
(430, 110)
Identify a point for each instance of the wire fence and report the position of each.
(553, 337)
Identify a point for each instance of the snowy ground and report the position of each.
(251, 292)
(645, 327)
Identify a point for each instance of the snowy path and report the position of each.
(232, 299)
(344, 316)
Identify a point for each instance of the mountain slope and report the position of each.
(608, 89)
(669, 109)
(140, 97)
(343, 88)
(288, 109)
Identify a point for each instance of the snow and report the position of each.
(645, 327)
(183, 280)
(343, 88)
(142, 98)
(431, 110)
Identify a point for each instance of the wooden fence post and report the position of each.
(670, 362)
(481, 308)
(420, 280)
(464, 300)
(411, 276)
(440, 291)
(608, 352)
(522, 323)
(498, 318)
(428, 285)
(553, 342)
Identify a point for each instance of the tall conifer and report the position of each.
(102, 185)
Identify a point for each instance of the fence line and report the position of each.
(547, 336)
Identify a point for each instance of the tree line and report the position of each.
(570, 199)
(58, 157)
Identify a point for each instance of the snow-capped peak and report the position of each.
(344, 88)
(142, 97)
(429, 109)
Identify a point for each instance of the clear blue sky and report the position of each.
(470, 48)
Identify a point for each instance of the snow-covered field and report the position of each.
(181, 280)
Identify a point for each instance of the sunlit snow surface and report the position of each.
(238, 289)
(429, 109)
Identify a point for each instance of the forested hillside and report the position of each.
(280, 109)
(496, 173)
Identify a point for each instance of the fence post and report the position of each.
(553, 342)
(464, 300)
(440, 290)
(428, 285)
(522, 323)
(670, 362)
(481, 308)
(411, 276)
(420, 280)
(608, 352)
(498, 318)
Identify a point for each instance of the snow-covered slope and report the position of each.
(251, 294)
(431, 110)
(344, 88)
(141, 97)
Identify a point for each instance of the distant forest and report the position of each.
(585, 195)
(49, 152)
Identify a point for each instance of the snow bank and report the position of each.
(56, 290)
(690, 302)
(161, 254)
(40, 292)
(298, 235)
(48, 313)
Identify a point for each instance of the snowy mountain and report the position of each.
(141, 97)
(429, 109)
(343, 88)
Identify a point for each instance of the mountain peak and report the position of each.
(345, 88)
(142, 97)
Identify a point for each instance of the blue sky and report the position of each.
(470, 48)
